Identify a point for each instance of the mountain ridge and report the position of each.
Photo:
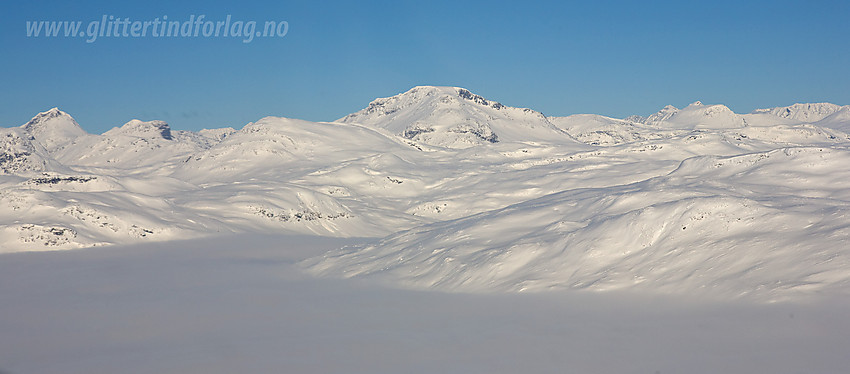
(468, 193)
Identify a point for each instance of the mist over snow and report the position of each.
(241, 304)
(464, 193)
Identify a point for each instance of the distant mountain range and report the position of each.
(468, 193)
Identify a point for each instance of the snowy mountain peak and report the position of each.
(143, 129)
(46, 115)
(453, 117)
(54, 118)
(696, 103)
(439, 94)
(53, 129)
(445, 91)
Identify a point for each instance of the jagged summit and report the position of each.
(143, 129)
(454, 117)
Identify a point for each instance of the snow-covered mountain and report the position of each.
(470, 194)
(142, 129)
(454, 117)
(696, 116)
(54, 129)
(137, 144)
(594, 129)
(801, 113)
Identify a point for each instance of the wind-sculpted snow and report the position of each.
(768, 225)
(468, 193)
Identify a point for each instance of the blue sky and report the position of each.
(607, 57)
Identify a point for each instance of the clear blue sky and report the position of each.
(607, 57)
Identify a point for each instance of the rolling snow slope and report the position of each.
(767, 225)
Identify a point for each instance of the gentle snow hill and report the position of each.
(277, 145)
(54, 129)
(769, 225)
(454, 117)
(321, 178)
(696, 116)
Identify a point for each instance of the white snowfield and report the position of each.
(468, 194)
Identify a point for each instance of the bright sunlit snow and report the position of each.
(471, 194)
(458, 194)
